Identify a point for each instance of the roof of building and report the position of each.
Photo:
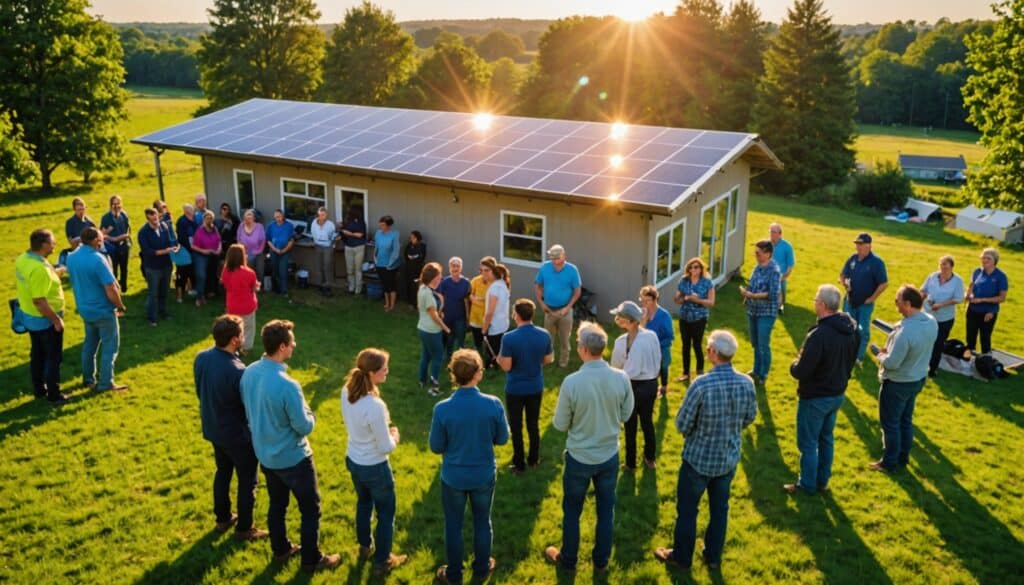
(996, 217)
(933, 163)
(649, 168)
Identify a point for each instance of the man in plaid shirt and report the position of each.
(761, 297)
(717, 407)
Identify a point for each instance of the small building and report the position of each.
(934, 168)
(1005, 226)
(630, 203)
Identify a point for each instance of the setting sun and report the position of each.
(637, 10)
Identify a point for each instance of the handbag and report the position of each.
(17, 317)
(182, 257)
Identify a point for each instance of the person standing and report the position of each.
(227, 226)
(822, 371)
(431, 328)
(77, 222)
(496, 313)
(695, 296)
(865, 278)
(478, 301)
(156, 244)
(387, 258)
(280, 420)
(41, 298)
(984, 295)
(185, 274)
(524, 351)
(280, 239)
(371, 438)
(200, 210)
(593, 402)
(240, 286)
(117, 239)
(761, 297)
(658, 320)
(353, 235)
(324, 234)
(454, 290)
(99, 303)
(206, 248)
(638, 353)
(414, 256)
(558, 287)
(717, 407)
(782, 254)
(943, 290)
(464, 430)
(902, 370)
(217, 372)
(252, 235)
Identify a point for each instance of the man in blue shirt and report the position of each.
(200, 210)
(218, 375)
(761, 297)
(784, 257)
(280, 420)
(99, 303)
(280, 239)
(117, 240)
(524, 352)
(864, 277)
(455, 290)
(558, 286)
(717, 407)
(76, 223)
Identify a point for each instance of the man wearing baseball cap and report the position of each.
(864, 277)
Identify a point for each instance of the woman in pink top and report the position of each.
(205, 255)
(254, 238)
(240, 286)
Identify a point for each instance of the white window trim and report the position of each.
(238, 199)
(501, 238)
(338, 208)
(735, 192)
(682, 251)
(308, 183)
(725, 237)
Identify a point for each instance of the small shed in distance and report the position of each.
(1005, 226)
(933, 168)
(629, 203)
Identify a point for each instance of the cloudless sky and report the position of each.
(842, 11)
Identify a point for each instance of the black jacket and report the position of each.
(826, 359)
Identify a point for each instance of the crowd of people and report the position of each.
(256, 416)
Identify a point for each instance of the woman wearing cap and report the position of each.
(431, 327)
(984, 295)
(942, 291)
(496, 313)
(695, 296)
(638, 353)
(658, 320)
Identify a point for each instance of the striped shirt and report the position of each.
(765, 278)
(718, 405)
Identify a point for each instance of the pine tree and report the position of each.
(806, 102)
(743, 40)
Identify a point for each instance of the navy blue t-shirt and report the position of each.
(865, 276)
(455, 294)
(526, 345)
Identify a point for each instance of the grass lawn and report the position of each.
(117, 488)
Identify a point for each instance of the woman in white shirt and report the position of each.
(324, 233)
(943, 290)
(431, 328)
(496, 311)
(371, 437)
(638, 353)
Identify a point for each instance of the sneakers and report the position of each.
(227, 524)
(392, 563)
(251, 534)
(554, 556)
(293, 549)
(665, 555)
(326, 562)
(365, 552)
(651, 463)
(59, 399)
(114, 388)
(877, 466)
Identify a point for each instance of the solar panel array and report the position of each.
(645, 165)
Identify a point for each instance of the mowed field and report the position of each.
(116, 488)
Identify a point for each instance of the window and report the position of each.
(669, 250)
(717, 222)
(245, 191)
(347, 199)
(300, 200)
(522, 238)
(734, 198)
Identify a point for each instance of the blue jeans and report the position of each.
(689, 491)
(457, 338)
(201, 263)
(158, 280)
(761, 340)
(815, 421)
(279, 262)
(102, 333)
(375, 489)
(666, 361)
(453, 500)
(896, 414)
(241, 460)
(576, 478)
(862, 315)
(300, 480)
(432, 355)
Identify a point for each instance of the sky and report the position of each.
(842, 11)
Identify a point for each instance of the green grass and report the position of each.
(116, 488)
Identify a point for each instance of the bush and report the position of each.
(884, 187)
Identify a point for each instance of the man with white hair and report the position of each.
(558, 286)
(783, 256)
(200, 210)
(455, 290)
(717, 407)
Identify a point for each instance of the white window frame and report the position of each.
(732, 223)
(238, 199)
(308, 182)
(338, 203)
(725, 237)
(682, 251)
(502, 234)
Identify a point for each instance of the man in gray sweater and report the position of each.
(902, 369)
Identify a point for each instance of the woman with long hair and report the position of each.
(496, 313)
(371, 438)
(240, 286)
(431, 327)
(695, 296)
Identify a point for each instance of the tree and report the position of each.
(994, 96)
(60, 78)
(497, 44)
(261, 48)
(894, 37)
(806, 102)
(883, 88)
(426, 37)
(743, 34)
(506, 78)
(451, 77)
(368, 59)
(16, 164)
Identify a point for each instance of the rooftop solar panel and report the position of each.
(485, 173)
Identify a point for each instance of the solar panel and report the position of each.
(647, 165)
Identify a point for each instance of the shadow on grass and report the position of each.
(193, 564)
(996, 397)
(796, 321)
(839, 552)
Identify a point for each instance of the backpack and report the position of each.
(955, 348)
(989, 367)
(17, 317)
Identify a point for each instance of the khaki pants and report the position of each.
(354, 265)
(249, 329)
(560, 328)
(325, 264)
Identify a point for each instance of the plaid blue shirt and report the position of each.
(767, 279)
(690, 311)
(718, 405)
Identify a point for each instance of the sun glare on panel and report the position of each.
(615, 160)
(618, 130)
(613, 197)
(483, 121)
